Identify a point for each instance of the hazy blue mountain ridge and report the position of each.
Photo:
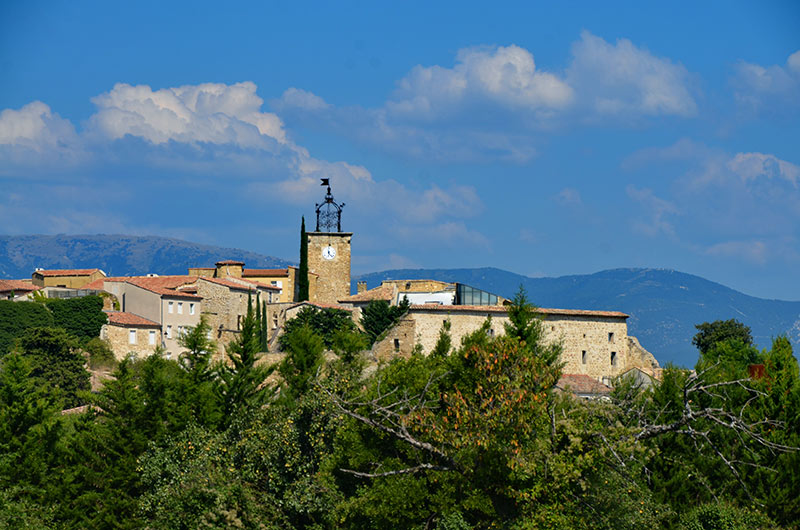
(664, 305)
(117, 255)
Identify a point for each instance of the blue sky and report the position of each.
(541, 138)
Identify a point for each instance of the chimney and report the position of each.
(361, 287)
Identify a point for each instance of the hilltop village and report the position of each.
(151, 312)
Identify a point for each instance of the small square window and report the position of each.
(613, 358)
(396, 344)
(611, 337)
(583, 357)
(132, 336)
(490, 332)
(191, 309)
(180, 308)
(151, 338)
(169, 307)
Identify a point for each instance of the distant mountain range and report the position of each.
(117, 255)
(664, 305)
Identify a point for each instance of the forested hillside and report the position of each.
(116, 255)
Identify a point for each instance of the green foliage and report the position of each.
(444, 343)
(16, 317)
(56, 362)
(724, 516)
(303, 360)
(325, 322)
(264, 328)
(379, 316)
(100, 354)
(81, 317)
(711, 333)
(526, 326)
(302, 270)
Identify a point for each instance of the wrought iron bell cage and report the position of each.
(329, 213)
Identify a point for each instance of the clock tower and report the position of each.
(329, 252)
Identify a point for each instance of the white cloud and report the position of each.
(495, 103)
(623, 79)
(569, 197)
(752, 251)
(775, 88)
(208, 113)
(34, 135)
(502, 76)
(656, 211)
(750, 166)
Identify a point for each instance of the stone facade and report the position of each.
(69, 278)
(129, 334)
(595, 343)
(334, 274)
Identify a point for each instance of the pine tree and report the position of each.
(302, 272)
(259, 323)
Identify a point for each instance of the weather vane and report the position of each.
(329, 213)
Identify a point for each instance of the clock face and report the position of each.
(329, 252)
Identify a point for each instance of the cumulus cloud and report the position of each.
(35, 135)
(569, 197)
(752, 251)
(502, 76)
(495, 103)
(208, 113)
(772, 88)
(623, 79)
(750, 166)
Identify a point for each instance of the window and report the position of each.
(490, 332)
(610, 337)
(238, 322)
(152, 338)
(169, 307)
(169, 332)
(132, 336)
(191, 309)
(613, 358)
(275, 321)
(396, 344)
(180, 308)
(583, 357)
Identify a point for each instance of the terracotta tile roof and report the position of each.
(259, 285)
(582, 384)
(202, 268)
(164, 285)
(232, 284)
(322, 306)
(67, 272)
(384, 292)
(21, 286)
(119, 318)
(99, 284)
(504, 309)
(230, 262)
(264, 272)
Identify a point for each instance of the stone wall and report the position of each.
(119, 339)
(588, 341)
(224, 309)
(333, 280)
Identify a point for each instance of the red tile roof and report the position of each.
(264, 272)
(582, 384)
(119, 318)
(322, 306)
(229, 262)
(504, 309)
(164, 285)
(231, 284)
(21, 286)
(202, 268)
(67, 272)
(384, 292)
(99, 284)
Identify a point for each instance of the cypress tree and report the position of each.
(264, 328)
(302, 273)
(259, 323)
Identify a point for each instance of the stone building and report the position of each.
(130, 334)
(69, 278)
(595, 343)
